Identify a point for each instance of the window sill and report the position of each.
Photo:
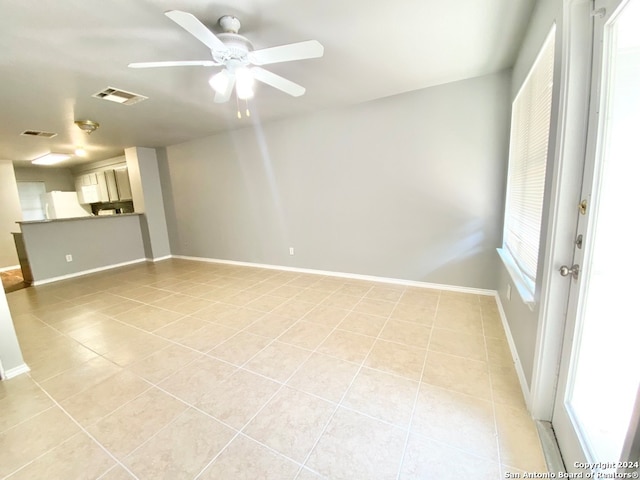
(517, 278)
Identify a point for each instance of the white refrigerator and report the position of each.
(63, 205)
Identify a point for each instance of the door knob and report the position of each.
(573, 271)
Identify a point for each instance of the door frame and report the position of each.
(605, 12)
(570, 113)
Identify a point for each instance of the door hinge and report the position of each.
(600, 12)
(579, 241)
(583, 207)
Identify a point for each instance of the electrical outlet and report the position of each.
(508, 291)
(69, 257)
(290, 250)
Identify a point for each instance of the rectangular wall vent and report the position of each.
(119, 96)
(37, 133)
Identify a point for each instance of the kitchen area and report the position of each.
(99, 188)
(84, 238)
(75, 220)
(117, 217)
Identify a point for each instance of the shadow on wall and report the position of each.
(456, 248)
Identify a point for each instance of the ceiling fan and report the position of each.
(241, 62)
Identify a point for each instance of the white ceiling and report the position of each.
(55, 54)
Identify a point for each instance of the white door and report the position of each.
(595, 411)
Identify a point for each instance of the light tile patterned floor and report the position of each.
(183, 369)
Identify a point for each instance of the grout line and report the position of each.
(417, 395)
(82, 429)
(493, 400)
(344, 395)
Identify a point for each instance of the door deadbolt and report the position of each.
(573, 271)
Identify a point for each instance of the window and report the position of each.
(530, 120)
(30, 194)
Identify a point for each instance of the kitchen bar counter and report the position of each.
(67, 247)
(88, 217)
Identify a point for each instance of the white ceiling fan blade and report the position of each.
(222, 97)
(196, 28)
(287, 53)
(194, 63)
(276, 81)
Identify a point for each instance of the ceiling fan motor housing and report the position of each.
(238, 48)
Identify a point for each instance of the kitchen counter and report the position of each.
(27, 276)
(88, 217)
(66, 247)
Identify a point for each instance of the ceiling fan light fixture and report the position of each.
(244, 83)
(220, 81)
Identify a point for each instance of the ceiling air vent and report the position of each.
(119, 96)
(37, 133)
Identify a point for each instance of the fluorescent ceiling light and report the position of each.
(51, 159)
(115, 98)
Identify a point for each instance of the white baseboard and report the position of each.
(14, 372)
(159, 259)
(13, 267)
(87, 272)
(353, 276)
(514, 355)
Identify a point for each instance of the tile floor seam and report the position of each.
(197, 408)
(108, 472)
(31, 417)
(493, 402)
(152, 305)
(175, 419)
(285, 331)
(417, 395)
(102, 355)
(174, 342)
(458, 356)
(376, 419)
(123, 369)
(82, 429)
(44, 454)
(244, 435)
(342, 398)
(150, 387)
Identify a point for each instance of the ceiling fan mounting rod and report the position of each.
(229, 24)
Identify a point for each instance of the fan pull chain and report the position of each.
(247, 112)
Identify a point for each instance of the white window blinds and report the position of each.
(530, 120)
